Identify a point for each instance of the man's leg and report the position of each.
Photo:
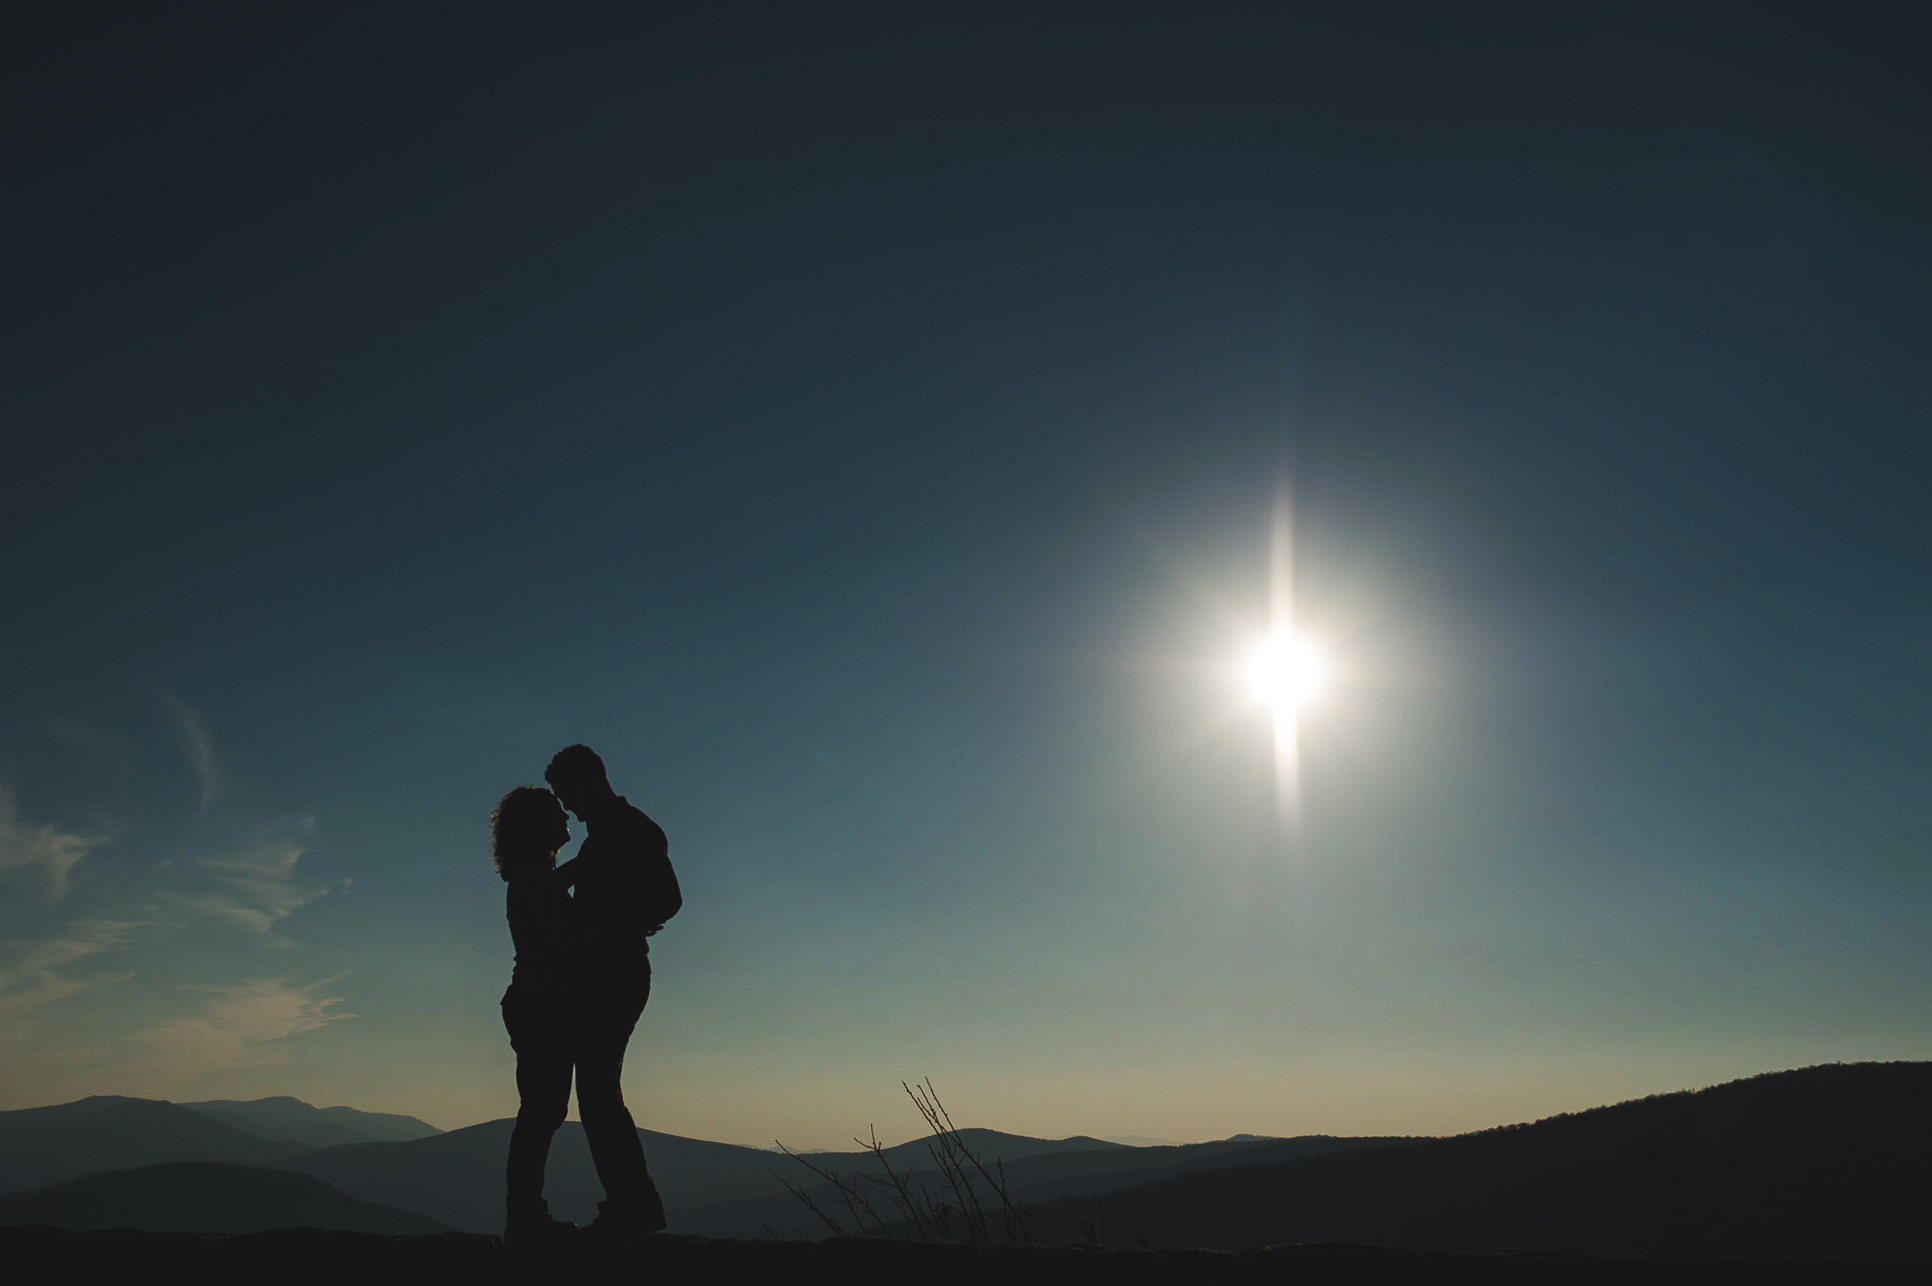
(632, 1200)
(543, 1088)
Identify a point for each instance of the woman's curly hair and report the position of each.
(525, 826)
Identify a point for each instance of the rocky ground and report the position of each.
(362, 1259)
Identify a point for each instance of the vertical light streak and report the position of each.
(1281, 613)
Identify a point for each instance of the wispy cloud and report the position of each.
(38, 855)
(200, 749)
(251, 885)
(89, 967)
(42, 1063)
(33, 978)
(240, 1025)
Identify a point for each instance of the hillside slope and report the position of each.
(205, 1196)
(1030, 1180)
(1823, 1161)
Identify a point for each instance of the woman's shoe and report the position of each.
(539, 1229)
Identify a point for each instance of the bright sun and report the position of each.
(1284, 672)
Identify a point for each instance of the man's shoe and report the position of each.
(624, 1223)
(537, 1230)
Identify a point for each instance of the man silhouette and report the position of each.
(626, 890)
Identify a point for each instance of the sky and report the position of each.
(863, 425)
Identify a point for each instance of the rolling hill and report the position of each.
(1824, 1161)
(205, 1196)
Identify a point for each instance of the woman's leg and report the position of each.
(543, 1088)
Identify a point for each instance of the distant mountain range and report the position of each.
(290, 1120)
(1823, 1161)
(718, 1189)
(456, 1178)
(43, 1145)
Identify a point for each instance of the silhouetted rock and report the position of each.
(205, 1196)
(43, 1145)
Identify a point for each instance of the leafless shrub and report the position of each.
(972, 1205)
(1094, 1231)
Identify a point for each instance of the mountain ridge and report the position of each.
(1029, 1181)
(45, 1145)
(285, 1119)
(456, 1176)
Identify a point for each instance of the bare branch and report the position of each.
(930, 1217)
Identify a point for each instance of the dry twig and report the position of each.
(964, 1217)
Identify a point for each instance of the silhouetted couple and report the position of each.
(583, 973)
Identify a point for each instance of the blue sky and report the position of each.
(863, 429)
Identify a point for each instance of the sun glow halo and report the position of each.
(1283, 673)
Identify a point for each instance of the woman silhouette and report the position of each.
(527, 828)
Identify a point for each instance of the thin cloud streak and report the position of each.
(40, 855)
(240, 1025)
(34, 979)
(31, 987)
(200, 749)
(128, 927)
(252, 886)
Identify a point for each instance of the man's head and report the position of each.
(578, 777)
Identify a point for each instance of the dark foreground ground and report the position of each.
(306, 1254)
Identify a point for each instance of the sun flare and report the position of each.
(1283, 673)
